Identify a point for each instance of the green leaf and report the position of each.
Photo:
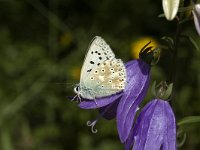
(184, 9)
(180, 143)
(190, 119)
(184, 20)
(161, 15)
(168, 91)
(192, 41)
(169, 41)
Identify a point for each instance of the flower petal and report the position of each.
(155, 128)
(129, 142)
(109, 111)
(100, 102)
(152, 127)
(197, 9)
(170, 136)
(138, 74)
(170, 8)
(196, 14)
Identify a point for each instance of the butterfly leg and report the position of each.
(94, 98)
(95, 102)
(74, 97)
(79, 98)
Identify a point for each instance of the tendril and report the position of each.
(92, 124)
(181, 137)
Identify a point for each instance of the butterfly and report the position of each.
(101, 74)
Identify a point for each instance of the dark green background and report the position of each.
(36, 69)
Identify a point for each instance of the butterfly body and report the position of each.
(102, 74)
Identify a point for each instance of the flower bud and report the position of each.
(170, 8)
(196, 14)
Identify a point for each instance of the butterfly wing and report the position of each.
(98, 52)
(99, 69)
(107, 79)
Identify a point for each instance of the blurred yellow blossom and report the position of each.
(75, 73)
(137, 45)
(66, 39)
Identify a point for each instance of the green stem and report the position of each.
(174, 59)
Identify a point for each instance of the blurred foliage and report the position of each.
(42, 48)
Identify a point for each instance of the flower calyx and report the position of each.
(162, 90)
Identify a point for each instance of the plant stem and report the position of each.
(174, 59)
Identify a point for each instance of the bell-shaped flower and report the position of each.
(155, 128)
(196, 14)
(123, 105)
(170, 8)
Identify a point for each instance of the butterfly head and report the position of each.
(77, 91)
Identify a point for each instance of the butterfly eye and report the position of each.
(111, 69)
(110, 81)
(76, 89)
(96, 71)
(103, 70)
(91, 78)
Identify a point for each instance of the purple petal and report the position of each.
(100, 102)
(196, 14)
(170, 136)
(138, 77)
(142, 125)
(154, 128)
(129, 142)
(109, 111)
(197, 9)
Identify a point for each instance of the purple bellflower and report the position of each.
(196, 14)
(123, 105)
(155, 128)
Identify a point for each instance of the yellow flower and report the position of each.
(75, 73)
(136, 46)
(66, 39)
